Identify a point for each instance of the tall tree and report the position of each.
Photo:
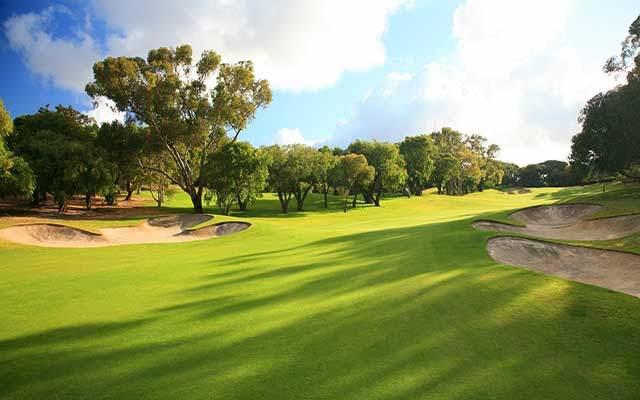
(418, 152)
(390, 172)
(324, 163)
(282, 178)
(123, 146)
(303, 166)
(629, 59)
(236, 173)
(60, 147)
(351, 171)
(168, 93)
(16, 178)
(609, 141)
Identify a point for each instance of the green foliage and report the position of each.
(16, 178)
(167, 92)
(609, 141)
(418, 153)
(293, 171)
(464, 163)
(236, 173)
(351, 171)
(325, 161)
(60, 147)
(629, 59)
(6, 123)
(390, 172)
(123, 146)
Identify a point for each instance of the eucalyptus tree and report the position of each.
(282, 177)
(324, 163)
(235, 174)
(609, 141)
(16, 178)
(418, 152)
(304, 166)
(350, 172)
(60, 147)
(123, 145)
(168, 93)
(390, 173)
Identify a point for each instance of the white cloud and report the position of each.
(520, 73)
(66, 63)
(286, 136)
(297, 45)
(104, 111)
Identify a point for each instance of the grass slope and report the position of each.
(398, 302)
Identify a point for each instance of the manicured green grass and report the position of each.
(397, 302)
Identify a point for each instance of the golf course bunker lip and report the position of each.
(595, 229)
(184, 221)
(610, 269)
(168, 229)
(555, 215)
(51, 235)
(565, 222)
(219, 229)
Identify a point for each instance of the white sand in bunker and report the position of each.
(176, 228)
(566, 222)
(606, 268)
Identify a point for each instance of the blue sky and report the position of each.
(516, 72)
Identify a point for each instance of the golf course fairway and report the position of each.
(394, 302)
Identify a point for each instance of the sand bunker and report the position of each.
(176, 228)
(606, 268)
(555, 215)
(220, 229)
(566, 222)
(50, 235)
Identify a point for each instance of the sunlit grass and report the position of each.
(396, 302)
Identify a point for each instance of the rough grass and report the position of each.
(398, 302)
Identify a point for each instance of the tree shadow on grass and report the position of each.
(406, 313)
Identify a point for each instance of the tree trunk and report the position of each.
(355, 199)
(300, 198)
(284, 201)
(87, 200)
(417, 188)
(346, 200)
(62, 207)
(242, 205)
(326, 203)
(196, 199)
(367, 196)
(376, 199)
(129, 191)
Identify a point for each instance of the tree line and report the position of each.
(608, 145)
(62, 153)
(183, 120)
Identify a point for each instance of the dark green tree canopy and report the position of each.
(390, 172)
(235, 174)
(60, 147)
(349, 172)
(609, 141)
(16, 178)
(123, 145)
(418, 152)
